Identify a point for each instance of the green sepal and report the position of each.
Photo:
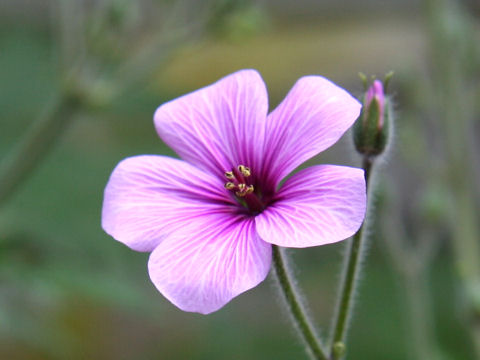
(369, 136)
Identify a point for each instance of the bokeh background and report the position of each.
(79, 82)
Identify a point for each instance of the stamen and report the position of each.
(229, 185)
(241, 184)
(244, 170)
(243, 190)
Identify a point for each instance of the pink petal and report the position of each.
(319, 205)
(149, 196)
(202, 267)
(312, 117)
(220, 126)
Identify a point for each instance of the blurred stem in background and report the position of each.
(412, 263)
(36, 143)
(454, 61)
(450, 96)
(83, 85)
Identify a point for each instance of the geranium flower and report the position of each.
(210, 219)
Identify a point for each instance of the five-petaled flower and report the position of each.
(210, 219)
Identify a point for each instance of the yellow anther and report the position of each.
(244, 170)
(229, 185)
(229, 175)
(249, 189)
(242, 187)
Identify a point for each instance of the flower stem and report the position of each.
(349, 279)
(299, 316)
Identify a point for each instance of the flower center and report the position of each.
(240, 183)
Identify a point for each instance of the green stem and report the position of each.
(18, 165)
(302, 322)
(348, 284)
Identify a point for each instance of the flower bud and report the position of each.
(371, 130)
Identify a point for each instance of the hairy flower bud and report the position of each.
(371, 130)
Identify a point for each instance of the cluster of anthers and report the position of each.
(238, 181)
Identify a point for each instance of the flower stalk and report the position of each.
(351, 272)
(301, 320)
(371, 135)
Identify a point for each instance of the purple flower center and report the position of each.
(240, 183)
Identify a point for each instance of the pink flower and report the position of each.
(210, 219)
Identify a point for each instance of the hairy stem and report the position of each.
(351, 271)
(301, 321)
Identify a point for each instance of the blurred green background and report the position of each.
(79, 82)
